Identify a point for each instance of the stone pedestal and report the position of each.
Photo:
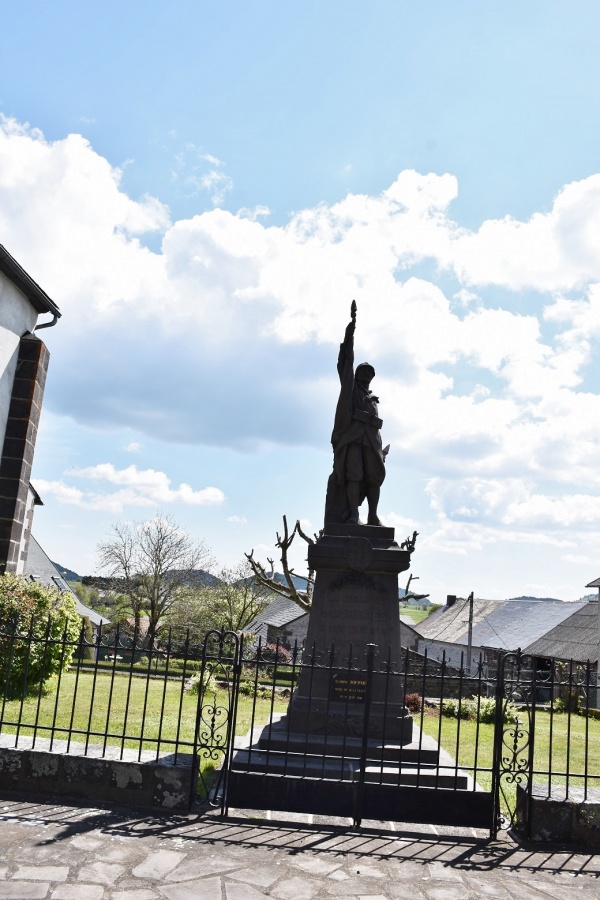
(355, 603)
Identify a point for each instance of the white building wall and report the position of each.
(17, 316)
(454, 654)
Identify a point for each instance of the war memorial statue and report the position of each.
(348, 702)
(355, 597)
(358, 452)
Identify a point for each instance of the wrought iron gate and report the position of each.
(344, 769)
(218, 692)
(471, 761)
(544, 740)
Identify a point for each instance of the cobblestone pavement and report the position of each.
(73, 853)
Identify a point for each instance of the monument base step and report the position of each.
(335, 768)
(275, 737)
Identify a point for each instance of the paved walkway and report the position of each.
(72, 853)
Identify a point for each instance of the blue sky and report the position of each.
(204, 188)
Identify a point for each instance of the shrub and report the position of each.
(482, 710)
(86, 650)
(487, 710)
(33, 621)
(456, 709)
(413, 702)
(569, 702)
(209, 683)
(274, 653)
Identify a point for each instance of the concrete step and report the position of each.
(338, 768)
(421, 751)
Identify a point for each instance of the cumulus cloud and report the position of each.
(227, 335)
(137, 487)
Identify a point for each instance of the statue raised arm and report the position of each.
(358, 454)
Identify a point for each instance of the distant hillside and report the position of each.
(299, 582)
(67, 574)
(541, 599)
(198, 578)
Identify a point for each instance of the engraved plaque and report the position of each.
(348, 687)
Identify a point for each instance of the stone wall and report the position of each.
(149, 783)
(553, 818)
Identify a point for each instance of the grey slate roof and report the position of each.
(39, 566)
(279, 612)
(501, 624)
(574, 638)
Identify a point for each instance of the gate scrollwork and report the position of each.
(215, 718)
(513, 739)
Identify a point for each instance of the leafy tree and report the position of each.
(33, 620)
(109, 603)
(230, 602)
(155, 561)
(237, 598)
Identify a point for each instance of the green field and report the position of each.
(133, 707)
(417, 615)
(566, 752)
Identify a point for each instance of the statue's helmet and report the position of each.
(362, 368)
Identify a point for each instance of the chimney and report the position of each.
(450, 600)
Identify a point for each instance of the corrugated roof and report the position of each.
(501, 624)
(574, 638)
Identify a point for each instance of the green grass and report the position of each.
(134, 708)
(417, 615)
(565, 753)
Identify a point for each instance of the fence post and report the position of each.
(498, 735)
(233, 703)
(359, 788)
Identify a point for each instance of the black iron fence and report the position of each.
(550, 746)
(327, 732)
(346, 725)
(111, 695)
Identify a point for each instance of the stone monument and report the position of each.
(355, 598)
(344, 695)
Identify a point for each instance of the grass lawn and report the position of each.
(132, 708)
(565, 752)
(417, 615)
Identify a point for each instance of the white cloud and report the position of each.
(237, 520)
(133, 447)
(228, 335)
(145, 487)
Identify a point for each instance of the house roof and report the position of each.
(501, 624)
(574, 638)
(41, 568)
(38, 298)
(278, 613)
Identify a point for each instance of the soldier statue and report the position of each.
(358, 454)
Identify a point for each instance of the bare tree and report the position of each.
(154, 560)
(410, 595)
(288, 588)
